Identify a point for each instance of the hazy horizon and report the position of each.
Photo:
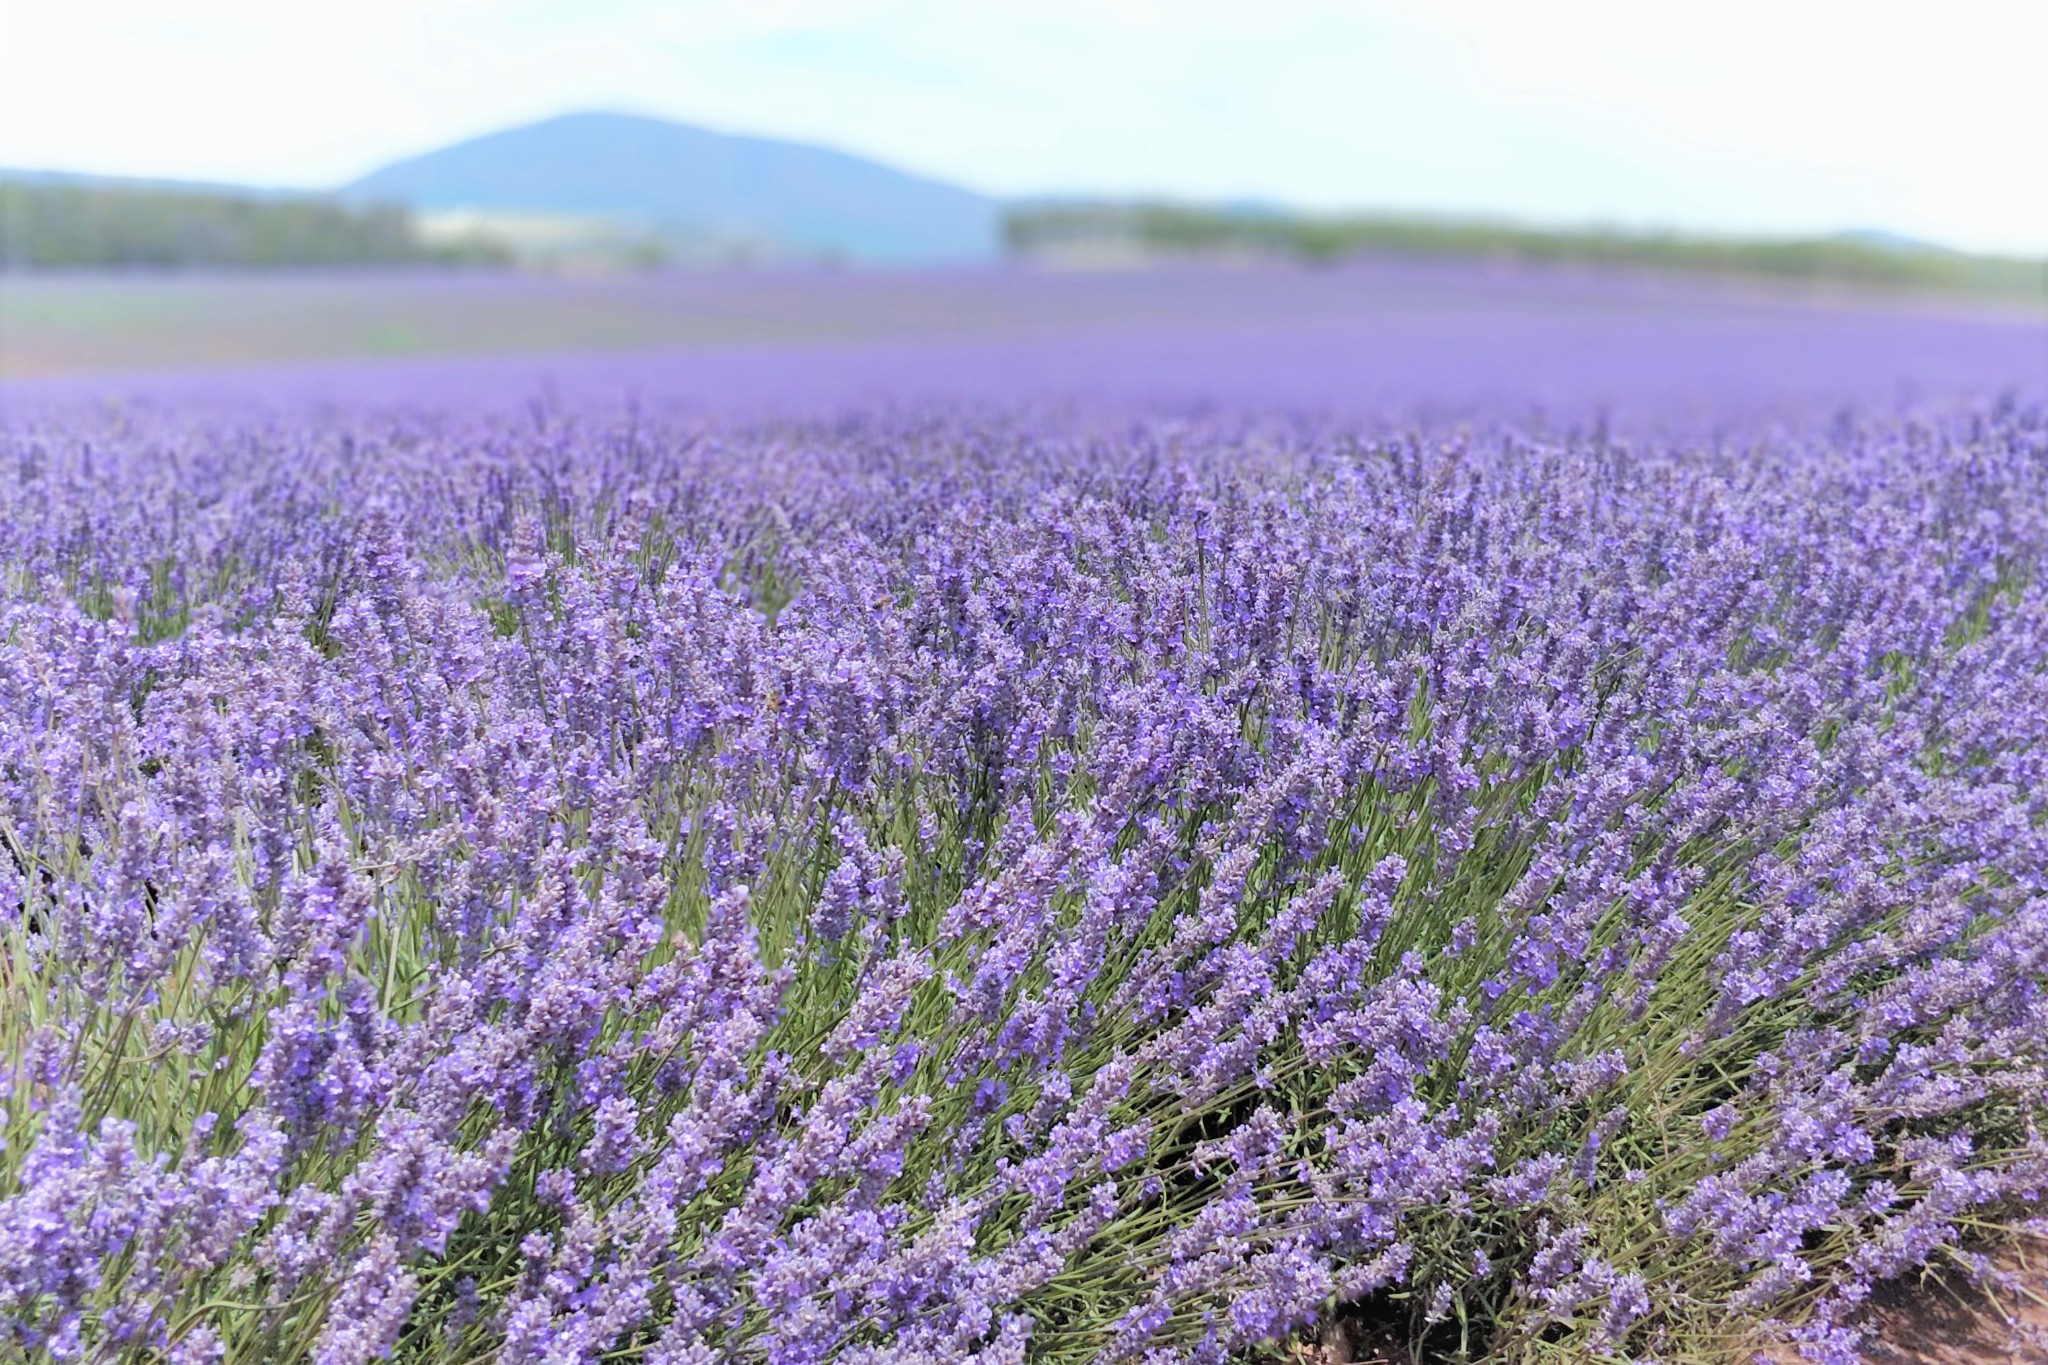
(1786, 119)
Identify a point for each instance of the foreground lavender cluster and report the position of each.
(937, 890)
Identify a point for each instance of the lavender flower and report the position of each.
(959, 887)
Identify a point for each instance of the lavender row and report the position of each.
(944, 889)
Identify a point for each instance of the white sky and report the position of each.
(1929, 118)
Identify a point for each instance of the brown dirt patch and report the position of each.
(1941, 1319)
(1936, 1319)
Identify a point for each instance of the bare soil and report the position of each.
(1938, 1319)
(1941, 1319)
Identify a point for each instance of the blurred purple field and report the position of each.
(1371, 340)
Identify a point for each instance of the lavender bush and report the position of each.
(943, 889)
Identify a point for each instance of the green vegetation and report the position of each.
(57, 225)
(1178, 229)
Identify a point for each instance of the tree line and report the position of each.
(67, 225)
(1191, 230)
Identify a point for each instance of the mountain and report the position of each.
(693, 187)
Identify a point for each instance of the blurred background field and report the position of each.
(1383, 337)
(76, 321)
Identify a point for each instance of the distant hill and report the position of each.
(615, 191)
(698, 192)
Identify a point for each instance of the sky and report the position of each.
(1746, 116)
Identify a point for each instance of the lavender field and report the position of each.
(1516, 831)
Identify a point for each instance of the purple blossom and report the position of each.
(942, 886)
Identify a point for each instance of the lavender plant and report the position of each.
(945, 889)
